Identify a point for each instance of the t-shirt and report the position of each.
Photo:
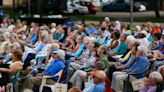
(99, 87)
(105, 61)
(54, 68)
(121, 49)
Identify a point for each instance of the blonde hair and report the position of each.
(18, 54)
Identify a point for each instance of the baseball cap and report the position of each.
(60, 53)
(143, 32)
(99, 74)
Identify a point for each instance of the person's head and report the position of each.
(162, 72)
(106, 19)
(130, 45)
(91, 46)
(24, 23)
(115, 36)
(2, 38)
(17, 55)
(134, 48)
(11, 21)
(91, 25)
(101, 50)
(141, 50)
(74, 89)
(122, 37)
(33, 24)
(58, 54)
(78, 39)
(60, 30)
(55, 46)
(45, 39)
(138, 28)
(155, 77)
(130, 39)
(117, 23)
(100, 65)
(53, 25)
(103, 25)
(157, 36)
(4, 20)
(14, 37)
(99, 76)
(157, 25)
(143, 34)
(14, 46)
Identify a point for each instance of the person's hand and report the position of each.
(85, 77)
(120, 60)
(76, 62)
(132, 72)
(39, 74)
(68, 52)
(30, 68)
(72, 58)
(42, 67)
(118, 67)
(112, 53)
(85, 55)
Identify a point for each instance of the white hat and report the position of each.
(60, 53)
(144, 32)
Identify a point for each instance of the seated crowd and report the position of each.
(109, 53)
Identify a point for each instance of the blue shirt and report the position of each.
(121, 49)
(99, 87)
(33, 39)
(140, 66)
(91, 31)
(40, 47)
(54, 68)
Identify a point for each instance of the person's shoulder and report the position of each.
(100, 88)
(144, 58)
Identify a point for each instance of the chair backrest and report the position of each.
(59, 74)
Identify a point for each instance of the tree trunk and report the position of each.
(156, 8)
(13, 4)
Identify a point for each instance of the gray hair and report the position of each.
(156, 76)
(143, 49)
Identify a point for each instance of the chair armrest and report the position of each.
(44, 78)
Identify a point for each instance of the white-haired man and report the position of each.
(56, 65)
(139, 67)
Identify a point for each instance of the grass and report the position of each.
(13, 14)
(152, 19)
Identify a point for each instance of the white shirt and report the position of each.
(144, 41)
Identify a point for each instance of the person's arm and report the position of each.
(14, 68)
(4, 70)
(129, 63)
(140, 67)
(114, 45)
(78, 52)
